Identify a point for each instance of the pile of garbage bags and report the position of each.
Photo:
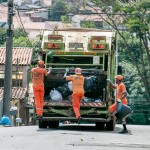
(91, 89)
(61, 92)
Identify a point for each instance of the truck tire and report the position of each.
(110, 125)
(53, 124)
(43, 124)
(100, 125)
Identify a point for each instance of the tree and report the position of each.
(2, 37)
(19, 32)
(20, 39)
(21, 42)
(57, 10)
(133, 16)
(65, 19)
(88, 24)
(136, 91)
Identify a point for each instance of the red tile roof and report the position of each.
(17, 93)
(23, 54)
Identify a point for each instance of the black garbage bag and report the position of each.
(64, 90)
(91, 87)
(67, 89)
(46, 98)
(123, 110)
(88, 84)
(95, 88)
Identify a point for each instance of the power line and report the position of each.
(22, 26)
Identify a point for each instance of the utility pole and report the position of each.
(8, 61)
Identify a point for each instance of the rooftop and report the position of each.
(17, 93)
(23, 54)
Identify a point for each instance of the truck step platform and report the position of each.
(74, 119)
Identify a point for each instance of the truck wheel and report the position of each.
(53, 124)
(43, 124)
(110, 125)
(100, 125)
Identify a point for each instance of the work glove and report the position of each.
(50, 68)
(108, 80)
(119, 100)
(67, 70)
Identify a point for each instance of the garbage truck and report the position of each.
(94, 51)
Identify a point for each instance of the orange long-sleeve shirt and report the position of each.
(38, 76)
(120, 89)
(77, 83)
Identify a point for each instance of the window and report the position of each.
(17, 79)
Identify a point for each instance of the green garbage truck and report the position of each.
(94, 51)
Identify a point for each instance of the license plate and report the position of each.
(75, 45)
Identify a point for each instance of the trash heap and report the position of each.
(64, 92)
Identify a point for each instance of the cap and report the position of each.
(41, 62)
(119, 77)
(78, 71)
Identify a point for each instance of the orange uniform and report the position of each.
(38, 88)
(78, 91)
(120, 89)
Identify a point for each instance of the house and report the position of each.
(40, 15)
(22, 2)
(18, 100)
(32, 28)
(79, 19)
(21, 60)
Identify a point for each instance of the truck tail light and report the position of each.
(93, 46)
(53, 45)
(101, 46)
(98, 46)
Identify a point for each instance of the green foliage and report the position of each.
(21, 42)
(19, 33)
(35, 56)
(65, 19)
(134, 45)
(135, 88)
(88, 24)
(138, 118)
(60, 8)
(138, 19)
(133, 82)
(2, 37)
(19, 39)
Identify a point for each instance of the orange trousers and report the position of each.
(39, 99)
(76, 99)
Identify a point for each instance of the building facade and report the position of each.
(21, 60)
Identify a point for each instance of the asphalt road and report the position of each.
(74, 137)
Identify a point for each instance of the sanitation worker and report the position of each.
(78, 90)
(121, 94)
(38, 74)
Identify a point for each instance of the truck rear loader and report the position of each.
(92, 50)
